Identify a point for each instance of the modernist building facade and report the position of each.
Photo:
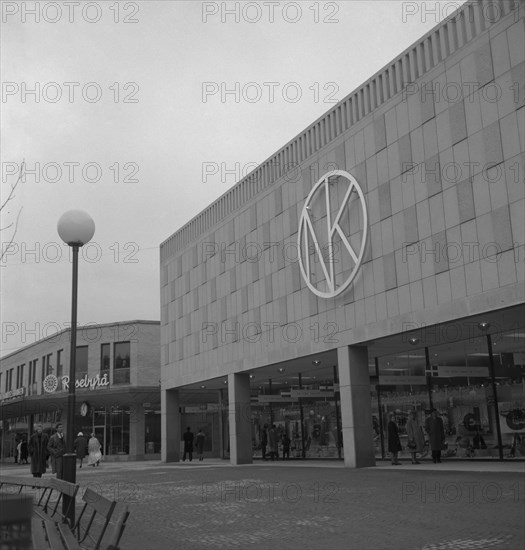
(373, 265)
(117, 388)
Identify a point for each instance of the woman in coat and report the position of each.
(416, 439)
(394, 445)
(95, 455)
(37, 448)
(80, 445)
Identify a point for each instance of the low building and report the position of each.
(117, 388)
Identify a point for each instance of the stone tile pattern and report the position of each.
(442, 166)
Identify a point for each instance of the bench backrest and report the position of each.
(118, 530)
(95, 507)
(51, 487)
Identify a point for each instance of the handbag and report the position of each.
(411, 444)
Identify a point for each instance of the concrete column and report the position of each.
(239, 412)
(137, 432)
(356, 407)
(170, 426)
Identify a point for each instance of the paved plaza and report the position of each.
(300, 505)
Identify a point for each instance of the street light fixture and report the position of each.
(76, 228)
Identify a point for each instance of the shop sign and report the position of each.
(11, 394)
(51, 382)
(310, 393)
(336, 249)
(403, 380)
(275, 398)
(455, 372)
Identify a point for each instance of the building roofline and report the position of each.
(432, 49)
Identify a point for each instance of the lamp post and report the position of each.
(76, 228)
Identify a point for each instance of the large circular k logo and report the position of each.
(332, 235)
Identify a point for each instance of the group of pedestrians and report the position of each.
(416, 438)
(189, 440)
(270, 441)
(41, 447)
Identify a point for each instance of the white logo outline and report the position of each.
(306, 229)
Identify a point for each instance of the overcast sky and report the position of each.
(129, 111)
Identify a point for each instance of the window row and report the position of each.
(38, 369)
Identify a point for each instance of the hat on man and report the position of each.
(79, 434)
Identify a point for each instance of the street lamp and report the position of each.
(76, 228)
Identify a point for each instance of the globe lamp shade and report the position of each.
(76, 227)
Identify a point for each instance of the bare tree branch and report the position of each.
(10, 197)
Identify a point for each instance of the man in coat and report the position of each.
(57, 449)
(188, 444)
(37, 448)
(436, 433)
(80, 446)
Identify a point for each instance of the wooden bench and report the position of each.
(94, 520)
(48, 504)
(49, 527)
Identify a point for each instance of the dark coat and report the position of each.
(394, 445)
(37, 448)
(436, 433)
(23, 451)
(188, 441)
(80, 446)
(273, 440)
(56, 446)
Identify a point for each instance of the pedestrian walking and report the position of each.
(416, 438)
(436, 433)
(94, 452)
(188, 444)
(199, 444)
(57, 449)
(273, 441)
(80, 445)
(24, 453)
(18, 457)
(286, 441)
(394, 444)
(264, 441)
(37, 448)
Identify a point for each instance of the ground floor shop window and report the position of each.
(476, 385)
(111, 427)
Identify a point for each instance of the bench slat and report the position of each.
(70, 542)
(53, 535)
(38, 534)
